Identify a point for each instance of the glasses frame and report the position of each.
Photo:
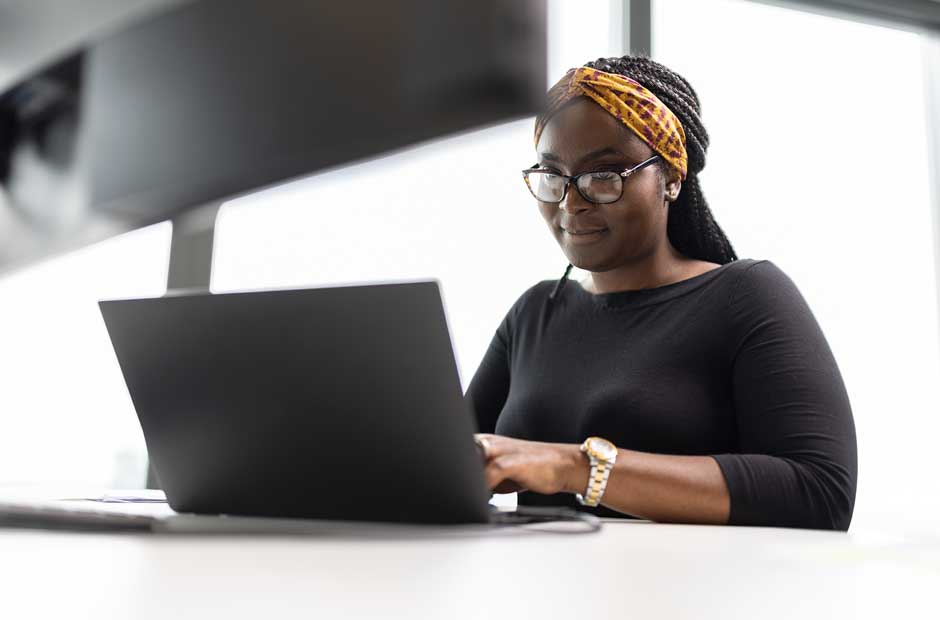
(574, 179)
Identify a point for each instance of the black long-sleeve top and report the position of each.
(730, 363)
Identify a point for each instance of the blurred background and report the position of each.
(821, 147)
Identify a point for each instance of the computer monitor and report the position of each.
(201, 100)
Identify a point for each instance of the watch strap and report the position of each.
(597, 482)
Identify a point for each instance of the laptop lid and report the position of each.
(337, 403)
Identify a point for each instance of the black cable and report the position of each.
(561, 282)
(547, 514)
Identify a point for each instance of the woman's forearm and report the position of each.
(659, 487)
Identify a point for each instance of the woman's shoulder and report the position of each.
(758, 271)
(744, 265)
(530, 298)
(762, 282)
(537, 293)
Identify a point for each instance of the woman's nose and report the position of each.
(574, 202)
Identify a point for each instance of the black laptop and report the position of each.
(334, 403)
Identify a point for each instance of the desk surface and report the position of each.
(628, 570)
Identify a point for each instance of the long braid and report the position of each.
(691, 227)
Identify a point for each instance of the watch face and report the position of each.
(602, 448)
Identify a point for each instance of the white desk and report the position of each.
(628, 570)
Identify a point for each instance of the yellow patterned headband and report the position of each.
(629, 102)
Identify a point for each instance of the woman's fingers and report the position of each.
(503, 461)
(493, 445)
(494, 473)
(499, 475)
(508, 486)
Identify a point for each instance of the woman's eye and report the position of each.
(604, 176)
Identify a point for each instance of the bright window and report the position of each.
(818, 161)
(65, 415)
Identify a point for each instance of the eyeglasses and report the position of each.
(597, 186)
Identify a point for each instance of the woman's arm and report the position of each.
(796, 463)
(489, 386)
(659, 487)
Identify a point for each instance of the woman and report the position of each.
(706, 381)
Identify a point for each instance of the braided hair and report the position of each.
(690, 225)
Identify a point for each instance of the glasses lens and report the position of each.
(601, 187)
(546, 186)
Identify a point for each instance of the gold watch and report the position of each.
(602, 455)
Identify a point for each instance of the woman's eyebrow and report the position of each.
(592, 155)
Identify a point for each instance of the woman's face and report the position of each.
(583, 137)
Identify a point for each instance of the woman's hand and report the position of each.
(519, 465)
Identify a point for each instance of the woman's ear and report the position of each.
(673, 187)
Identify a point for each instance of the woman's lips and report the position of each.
(584, 231)
(584, 235)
